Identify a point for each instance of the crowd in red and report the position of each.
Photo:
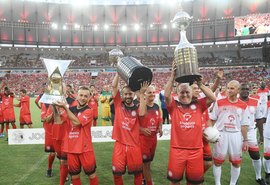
(33, 81)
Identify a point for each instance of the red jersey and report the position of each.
(45, 112)
(7, 102)
(78, 139)
(230, 116)
(126, 129)
(152, 119)
(25, 105)
(186, 131)
(59, 130)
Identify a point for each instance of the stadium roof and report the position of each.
(107, 2)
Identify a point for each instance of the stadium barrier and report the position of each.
(37, 135)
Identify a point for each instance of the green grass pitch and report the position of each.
(27, 164)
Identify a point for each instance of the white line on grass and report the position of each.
(32, 169)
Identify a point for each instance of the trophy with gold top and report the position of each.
(54, 91)
(185, 54)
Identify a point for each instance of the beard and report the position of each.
(128, 101)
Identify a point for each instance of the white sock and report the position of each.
(266, 165)
(217, 174)
(235, 172)
(257, 165)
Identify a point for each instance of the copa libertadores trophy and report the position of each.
(131, 70)
(56, 70)
(185, 54)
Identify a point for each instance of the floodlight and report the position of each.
(54, 26)
(64, 27)
(95, 27)
(136, 27)
(164, 26)
(106, 26)
(151, 25)
(76, 26)
(124, 28)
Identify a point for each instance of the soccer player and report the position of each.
(231, 119)
(151, 124)
(264, 93)
(255, 111)
(186, 153)
(25, 114)
(78, 140)
(2, 125)
(93, 103)
(105, 105)
(127, 151)
(8, 108)
(47, 119)
(59, 129)
(207, 154)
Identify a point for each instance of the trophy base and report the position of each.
(50, 99)
(187, 78)
(138, 76)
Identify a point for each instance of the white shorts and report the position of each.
(266, 147)
(252, 140)
(229, 143)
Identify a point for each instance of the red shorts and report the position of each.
(77, 161)
(207, 154)
(8, 116)
(58, 147)
(124, 155)
(48, 147)
(188, 161)
(1, 119)
(148, 147)
(25, 119)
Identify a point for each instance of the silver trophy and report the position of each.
(185, 54)
(54, 91)
(131, 70)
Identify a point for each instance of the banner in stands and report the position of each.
(37, 135)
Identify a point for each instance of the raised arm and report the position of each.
(219, 76)
(143, 108)
(115, 85)
(208, 93)
(169, 85)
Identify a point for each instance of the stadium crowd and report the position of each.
(81, 59)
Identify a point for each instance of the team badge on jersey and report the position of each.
(187, 116)
(133, 113)
(193, 107)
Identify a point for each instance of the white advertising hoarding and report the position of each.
(37, 135)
